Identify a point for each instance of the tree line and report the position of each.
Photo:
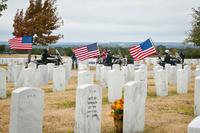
(124, 52)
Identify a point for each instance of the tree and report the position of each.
(194, 33)
(40, 20)
(3, 6)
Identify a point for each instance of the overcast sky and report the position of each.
(114, 20)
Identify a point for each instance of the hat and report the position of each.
(167, 51)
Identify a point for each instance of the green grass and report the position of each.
(185, 110)
(65, 104)
(151, 95)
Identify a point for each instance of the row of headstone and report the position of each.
(32, 77)
(179, 78)
(153, 60)
(13, 60)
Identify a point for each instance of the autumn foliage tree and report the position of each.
(194, 34)
(39, 20)
(3, 6)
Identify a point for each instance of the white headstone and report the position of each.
(32, 65)
(85, 77)
(173, 75)
(104, 75)
(167, 69)
(2, 83)
(98, 71)
(115, 67)
(140, 75)
(10, 72)
(182, 81)
(59, 80)
(26, 115)
(188, 68)
(134, 107)
(197, 66)
(179, 66)
(67, 68)
(50, 70)
(124, 69)
(161, 83)
(131, 71)
(197, 96)
(16, 72)
(197, 72)
(83, 66)
(88, 109)
(43, 70)
(156, 68)
(115, 84)
(194, 126)
(31, 77)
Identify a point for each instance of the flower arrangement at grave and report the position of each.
(117, 108)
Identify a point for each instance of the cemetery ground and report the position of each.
(170, 114)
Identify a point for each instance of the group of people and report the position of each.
(106, 57)
(169, 59)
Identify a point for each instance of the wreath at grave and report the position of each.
(117, 108)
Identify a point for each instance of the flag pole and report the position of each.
(157, 52)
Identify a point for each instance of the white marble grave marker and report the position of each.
(115, 84)
(98, 71)
(197, 97)
(32, 65)
(50, 70)
(16, 73)
(188, 68)
(197, 72)
(88, 109)
(31, 77)
(10, 72)
(85, 77)
(2, 83)
(43, 70)
(173, 75)
(26, 115)
(194, 126)
(59, 80)
(161, 83)
(182, 81)
(140, 75)
(131, 72)
(134, 107)
(115, 67)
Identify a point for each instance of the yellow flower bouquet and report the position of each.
(117, 113)
(117, 109)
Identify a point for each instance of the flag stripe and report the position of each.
(86, 52)
(143, 50)
(18, 43)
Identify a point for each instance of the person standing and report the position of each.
(104, 55)
(74, 61)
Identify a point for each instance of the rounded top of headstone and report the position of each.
(22, 89)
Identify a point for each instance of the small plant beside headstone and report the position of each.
(117, 114)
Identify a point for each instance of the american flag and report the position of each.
(143, 50)
(21, 43)
(86, 52)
